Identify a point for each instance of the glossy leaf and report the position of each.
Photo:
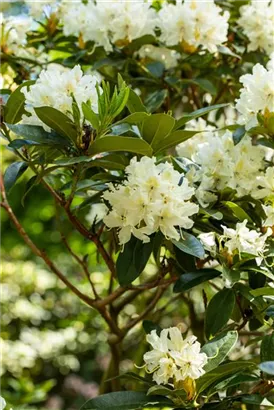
(37, 134)
(13, 173)
(148, 326)
(90, 115)
(14, 108)
(134, 118)
(132, 260)
(267, 348)
(191, 245)
(157, 127)
(57, 121)
(175, 138)
(196, 114)
(238, 135)
(267, 367)
(189, 280)
(134, 103)
(155, 100)
(218, 348)
(117, 143)
(222, 302)
(126, 400)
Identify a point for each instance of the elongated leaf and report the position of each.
(14, 108)
(191, 245)
(117, 143)
(37, 134)
(237, 211)
(223, 302)
(13, 172)
(173, 139)
(266, 291)
(132, 261)
(267, 367)
(238, 135)
(90, 115)
(134, 118)
(134, 103)
(157, 127)
(196, 114)
(267, 348)
(220, 372)
(126, 400)
(191, 279)
(155, 100)
(57, 121)
(218, 348)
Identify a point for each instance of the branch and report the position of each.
(4, 204)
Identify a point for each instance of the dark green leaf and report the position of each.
(238, 134)
(57, 121)
(132, 260)
(13, 172)
(155, 100)
(196, 114)
(148, 326)
(156, 68)
(191, 279)
(206, 85)
(14, 108)
(126, 400)
(134, 103)
(267, 348)
(134, 118)
(90, 115)
(37, 134)
(157, 127)
(117, 143)
(223, 302)
(175, 138)
(191, 245)
(218, 348)
(270, 311)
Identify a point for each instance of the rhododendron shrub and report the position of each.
(151, 127)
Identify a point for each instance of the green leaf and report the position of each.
(156, 68)
(237, 211)
(267, 367)
(175, 138)
(90, 115)
(218, 348)
(57, 121)
(132, 260)
(134, 118)
(14, 108)
(198, 113)
(117, 143)
(191, 279)
(191, 245)
(155, 100)
(13, 172)
(267, 348)
(238, 135)
(134, 103)
(148, 326)
(37, 134)
(270, 311)
(126, 400)
(206, 85)
(266, 291)
(159, 390)
(221, 372)
(156, 127)
(223, 302)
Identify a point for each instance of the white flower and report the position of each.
(193, 23)
(256, 96)
(257, 21)
(54, 88)
(208, 240)
(188, 148)
(269, 211)
(109, 22)
(97, 213)
(270, 64)
(38, 8)
(174, 358)
(2, 403)
(264, 184)
(244, 240)
(169, 58)
(223, 164)
(14, 31)
(154, 197)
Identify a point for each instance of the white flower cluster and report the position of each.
(168, 57)
(193, 24)
(109, 22)
(174, 358)
(257, 21)
(153, 197)
(14, 31)
(55, 87)
(220, 164)
(240, 240)
(269, 211)
(40, 8)
(257, 94)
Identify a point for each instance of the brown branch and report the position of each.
(37, 251)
